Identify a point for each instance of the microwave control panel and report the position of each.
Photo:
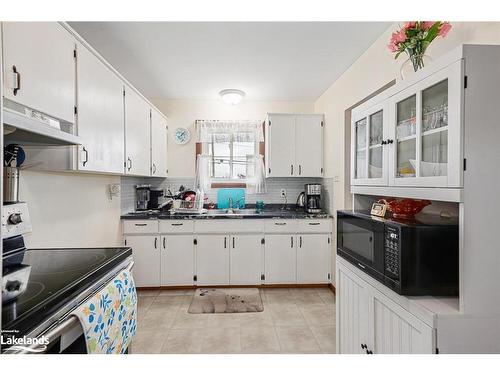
(391, 253)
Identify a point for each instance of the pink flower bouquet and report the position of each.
(414, 38)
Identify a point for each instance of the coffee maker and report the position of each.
(147, 198)
(313, 198)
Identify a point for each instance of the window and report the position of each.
(232, 156)
(229, 154)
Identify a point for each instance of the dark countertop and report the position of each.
(249, 213)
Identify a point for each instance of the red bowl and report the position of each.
(405, 208)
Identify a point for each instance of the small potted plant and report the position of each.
(414, 38)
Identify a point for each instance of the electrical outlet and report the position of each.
(283, 193)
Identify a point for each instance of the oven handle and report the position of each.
(66, 325)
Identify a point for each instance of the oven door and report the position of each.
(360, 240)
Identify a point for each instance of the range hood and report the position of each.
(24, 125)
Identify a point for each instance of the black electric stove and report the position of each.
(56, 278)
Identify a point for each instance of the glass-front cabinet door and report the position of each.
(368, 141)
(425, 131)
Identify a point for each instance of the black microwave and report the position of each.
(412, 257)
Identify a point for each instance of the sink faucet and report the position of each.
(230, 205)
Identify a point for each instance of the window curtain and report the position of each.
(202, 180)
(256, 184)
(242, 131)
(209, 131)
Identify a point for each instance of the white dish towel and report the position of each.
(109, 319)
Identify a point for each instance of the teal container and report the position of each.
(237, 196)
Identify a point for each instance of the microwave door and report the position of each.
(361, 242)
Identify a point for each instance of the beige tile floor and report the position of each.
(294, 320)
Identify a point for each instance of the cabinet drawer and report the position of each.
(229, 226)
(280, 226)
(176, 226)
(140, 226)
(315, 226)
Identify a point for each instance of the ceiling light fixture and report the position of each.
(232, 96)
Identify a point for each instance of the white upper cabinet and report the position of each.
(309, 145)
(137, 134)
(159, 130)
(100, 115)
(39, 67)
(369, 153)
(294, 145)
(280, 145)
(412, 137)
(426, 126)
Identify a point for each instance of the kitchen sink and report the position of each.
(234, 212)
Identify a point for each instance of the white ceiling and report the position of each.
(267, 60)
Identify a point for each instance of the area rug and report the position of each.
(222, 300)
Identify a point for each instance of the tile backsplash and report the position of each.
(293, 186)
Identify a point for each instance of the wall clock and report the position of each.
(182, 136)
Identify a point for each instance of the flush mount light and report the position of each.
(232, 96)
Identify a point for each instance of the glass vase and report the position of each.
(413, 64)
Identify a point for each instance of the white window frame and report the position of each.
(205, 148)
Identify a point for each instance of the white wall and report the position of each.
(68, 209)
(375, 68)
(181, 159)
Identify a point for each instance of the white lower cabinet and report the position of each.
(187, 252)
(370, 322)
(212, 259)
(147, 259)
(177, 260)
(245, 259)
(395, 330)
(313, 258)
(280, 259)
(352, 296)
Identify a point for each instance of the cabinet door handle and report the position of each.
(383, 143)
(314, 223)
(389, 141)
(291, 242)
(300, 241)
(177, 224)
(140, 225)
(300, 169)
(363, 346)
(156, 242)
(129, 162)
(17, 80)
(86, 156)
(291, 169)
(279, 223)
(164, 243)
(225, 242)
(154, 168)
(233, 242)
(369, 351)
